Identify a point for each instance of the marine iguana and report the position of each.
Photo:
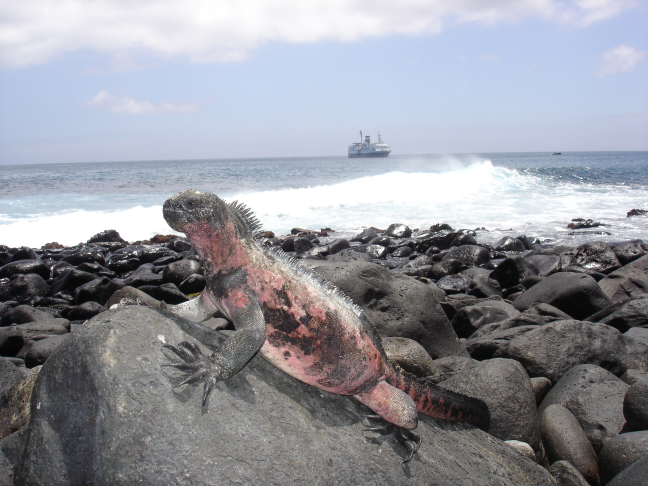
(298, 322)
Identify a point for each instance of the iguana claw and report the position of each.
(196, 362)
(405, 437)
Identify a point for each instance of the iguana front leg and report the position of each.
(199, 309)
(232, 356)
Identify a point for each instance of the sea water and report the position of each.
(536, 194)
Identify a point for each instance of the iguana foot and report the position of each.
(408, 439)
(194, 361)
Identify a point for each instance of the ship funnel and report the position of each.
(367, 138)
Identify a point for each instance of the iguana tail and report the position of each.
(437, 402)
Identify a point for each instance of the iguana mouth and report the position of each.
(183, 209)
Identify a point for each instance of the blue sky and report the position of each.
(157, 80)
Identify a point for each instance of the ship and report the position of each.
(368, 149)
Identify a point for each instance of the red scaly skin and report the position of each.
(311, 333)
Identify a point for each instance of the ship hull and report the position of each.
(383, 153)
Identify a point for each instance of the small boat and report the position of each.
(368, 149)
(557, 153)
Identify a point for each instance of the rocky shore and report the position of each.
(553, 339)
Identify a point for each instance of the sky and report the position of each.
(113, 80)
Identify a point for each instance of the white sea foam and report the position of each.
(75, 227)
(477, 195)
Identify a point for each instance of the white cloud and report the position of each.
(130, 106)
(35, 31)
(621, 59)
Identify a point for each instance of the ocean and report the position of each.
(536, 194)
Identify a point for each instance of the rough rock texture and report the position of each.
(470, 318)
(635, 475)
(566, 475)
(631, 280)
(15, 403)
(565, 440)
(541, 387)
(620, 452)
(576, 294)
(409, 355)
(635, 405)
(629, 315)
(595, 397)
(505, 387)
(552, 349)
(397, 305)
(104, 412)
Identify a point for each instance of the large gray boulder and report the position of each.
(551, 350)
(104, 411)
(621, 452)
(631, 280)
(595, 397)
(635, 405)
(505, 387)
(565, 440)
(576, 294)
(398, 305)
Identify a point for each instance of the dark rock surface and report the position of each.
(630, 314)
(567, 475)
(595, 397)
(553, 349)
(576, 294)
(470, 255)
(472, 317)
(107, 413)
(635, 475)
(564, 440)
(416, 315)
(635, 405)
(505, 387)
(621, 452)
(597, 256)
(631, 280)
(409, 355)
(22, 288)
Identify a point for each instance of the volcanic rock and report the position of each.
(565, 440)
(595, 397)
(576, 294)
(93, 389)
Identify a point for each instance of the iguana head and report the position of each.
(188, 210)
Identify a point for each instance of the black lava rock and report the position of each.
(23, 288)
(177, 272)
(99, 290)
(469, 255)
(509, 244)
(565, 440)
(24, 267)
(597, 256)
(193, 284)
(85, 311)
(398, 230)
(576, 294)
(71, 279)
(338, 245)
(170, 295)
(107, 236)
(635, 405)
(366, 236)
(620, 452)
(512, 271)
(628, 252)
